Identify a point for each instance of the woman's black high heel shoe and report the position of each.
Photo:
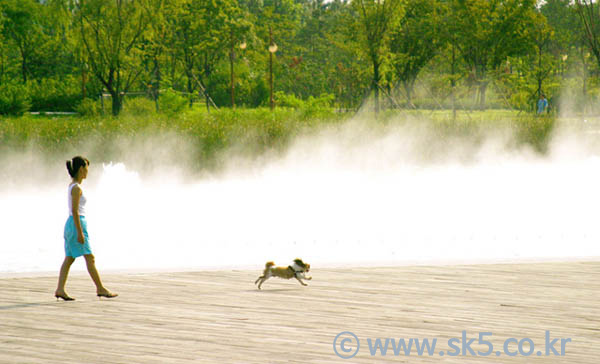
(64, 297)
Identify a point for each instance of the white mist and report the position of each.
(330, 201)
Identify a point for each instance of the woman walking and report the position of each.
(76, 235)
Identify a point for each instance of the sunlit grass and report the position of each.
(257, 130)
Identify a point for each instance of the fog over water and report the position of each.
(349, 197)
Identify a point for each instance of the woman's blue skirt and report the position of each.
(73, 248)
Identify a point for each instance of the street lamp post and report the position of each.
(272, 49)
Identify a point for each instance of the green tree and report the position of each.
(155, 42)
(308, 69)
(237, 28)
(376, 18)
(541, 36)
(487, 32)
(350, 69)
(589, 13)
(22, 27)
(329, 59)
(415, 41)
(562, 17)
(570, 42)
(279, 21)
(201, 32)
(111, 32)
(3, 48)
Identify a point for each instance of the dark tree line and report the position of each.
(403, 53)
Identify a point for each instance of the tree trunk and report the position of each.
(117, 102)
(156, 88)
(408, 88)
(453, 83)
(1, 67)
(539, 76)
(24, 69)
(584, 76)
(271, 102)
(190, 88)
(482, 90)
(376, 85)
(83, 81)
(231, 59)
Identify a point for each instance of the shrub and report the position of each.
(139, 106)
(54, 95)
(172, 103)
(535, 131)
(324, 101)
(522, 100)
(14, 99)
(89, 107)
(259, 95)
(285, 100)
(313, 104)
(320, 107)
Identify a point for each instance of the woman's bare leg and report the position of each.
(91, 267)
(62, 277)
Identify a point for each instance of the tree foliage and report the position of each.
(346, 48)
(111, 33)
(488, 32)
(376, 18)
(415, 41)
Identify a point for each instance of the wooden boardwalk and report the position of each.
(220, 317)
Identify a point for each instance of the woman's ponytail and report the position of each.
(70, 168)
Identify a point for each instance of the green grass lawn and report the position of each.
(253, 131)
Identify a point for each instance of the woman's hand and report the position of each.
(80, 238)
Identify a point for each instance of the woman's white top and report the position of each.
(82, 200)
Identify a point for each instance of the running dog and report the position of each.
(296, 270)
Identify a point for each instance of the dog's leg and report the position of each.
(304, 277)
(259, 278)
(299, 280)
(262, 281)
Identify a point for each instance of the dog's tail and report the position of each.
(265, 273)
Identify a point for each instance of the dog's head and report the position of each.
(305, 267)
(269, 264)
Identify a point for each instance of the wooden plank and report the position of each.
(220, 316)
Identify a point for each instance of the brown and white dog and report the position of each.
(296, 270)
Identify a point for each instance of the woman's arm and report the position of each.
(75, 195)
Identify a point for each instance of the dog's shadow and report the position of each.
(273, 290)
